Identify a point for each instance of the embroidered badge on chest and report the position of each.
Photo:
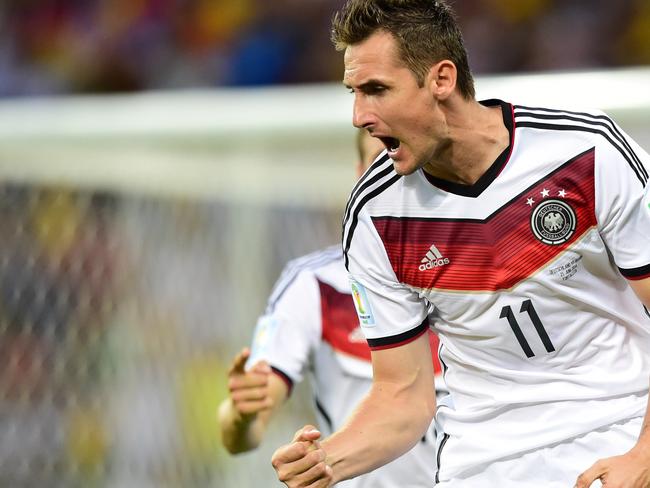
(553, 221)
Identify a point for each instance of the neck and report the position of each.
(476, 136)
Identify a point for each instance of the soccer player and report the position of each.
(311, 325)
(523, 235)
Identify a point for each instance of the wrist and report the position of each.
(237, 431)
(641, 450)
(230, 415)
(331, 458)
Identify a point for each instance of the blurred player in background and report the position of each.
(311, 325)
(522, 234)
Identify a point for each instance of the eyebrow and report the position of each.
(366, 84)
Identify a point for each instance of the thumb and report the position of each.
(307, 433)
(239, 363)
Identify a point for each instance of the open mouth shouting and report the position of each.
(392, 145)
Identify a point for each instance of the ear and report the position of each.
(441, 79)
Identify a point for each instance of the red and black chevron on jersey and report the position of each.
(470, 245)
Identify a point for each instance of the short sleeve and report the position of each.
(623, 202)
(290, 329)
(390, 313)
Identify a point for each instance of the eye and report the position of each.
(375, 89)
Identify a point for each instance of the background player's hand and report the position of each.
(631, 470)
(301, 463)
(248, 389)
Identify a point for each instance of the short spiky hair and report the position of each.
(426, 32)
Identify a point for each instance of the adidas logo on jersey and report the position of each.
(433, 259)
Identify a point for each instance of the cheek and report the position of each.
(418, 132)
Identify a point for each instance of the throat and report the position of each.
(467, 167)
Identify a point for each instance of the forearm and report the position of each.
(239, 434)
(388, 423)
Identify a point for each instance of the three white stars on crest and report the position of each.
(545, 193)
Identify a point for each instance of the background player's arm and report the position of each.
(387, 423)
(254, 396)
(632, 469)
(286, 335)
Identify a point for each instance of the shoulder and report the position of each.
(592, 126)
(373, 186)
(590, 122)
(559, 114)
(378, 178)
(304, 269)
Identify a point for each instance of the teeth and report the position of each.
(391, 143)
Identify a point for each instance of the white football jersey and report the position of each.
(523, 277)
(311, 325)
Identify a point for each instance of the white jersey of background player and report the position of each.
(513, 230)
(311, 325)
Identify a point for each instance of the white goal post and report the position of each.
(290, 144)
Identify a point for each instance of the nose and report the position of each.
(361, 115)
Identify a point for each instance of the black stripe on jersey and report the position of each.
(366, 181)
(295, 267)
(444, 440)
(324, 414)
(647, 312)
(444, 365)
(608, 124)
(622, 146)
(536, 125)
(347, 234)
(381, 159)
(284, 377)
(611, 125)
(399, 338)
(635, 272)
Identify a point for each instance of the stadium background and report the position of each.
(161, 160)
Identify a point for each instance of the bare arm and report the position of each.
(387, 423)
(255, 395)
(632, 469)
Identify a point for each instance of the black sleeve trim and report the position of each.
(636, 273)
(399, 339)
(284, 377)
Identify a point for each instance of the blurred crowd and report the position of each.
(101, 46)
(118, 318)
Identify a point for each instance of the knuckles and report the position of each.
(276, 462)
(321, 470)
(314, 457)
(242, 382)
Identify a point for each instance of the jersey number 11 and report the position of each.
(527, 306)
